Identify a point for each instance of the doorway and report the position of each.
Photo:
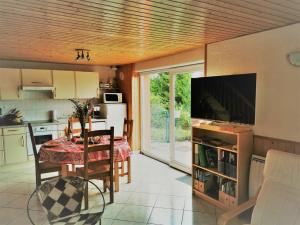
(165, 110)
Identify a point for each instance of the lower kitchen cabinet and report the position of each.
(15, 146)
(1, 141)
(2, 158)
(61, 129)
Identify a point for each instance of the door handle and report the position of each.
(23, 142)
(11, 130)
(97, 92)
(18, 92)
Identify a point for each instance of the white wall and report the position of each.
(183, 58)
(278, 82)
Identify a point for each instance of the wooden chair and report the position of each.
(98, 169)
(74, 125)
(42, 167)
(127, 134)
(278, 199)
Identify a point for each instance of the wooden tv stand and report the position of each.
(221, 161)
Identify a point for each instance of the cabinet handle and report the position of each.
(36, 82)
(18, 92)
(11, 130)
(54, 92)
(23, 143)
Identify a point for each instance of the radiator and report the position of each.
(256, 174)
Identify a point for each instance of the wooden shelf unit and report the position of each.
(233, 140)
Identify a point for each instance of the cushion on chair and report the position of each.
(283, 167)
(278, 201)
(61, 197)
(81, 219)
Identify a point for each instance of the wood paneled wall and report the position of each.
(129, 84)
(125, 74)
(263, 144)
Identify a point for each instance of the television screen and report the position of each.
(224, 98)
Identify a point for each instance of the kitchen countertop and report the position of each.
(13, 126)
(45, 122)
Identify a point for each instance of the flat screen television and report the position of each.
(224, 98)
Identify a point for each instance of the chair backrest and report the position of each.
(61, 197)
(278, 201)
(74, 124)
(36, 156)
(104, 167)
(127, 129)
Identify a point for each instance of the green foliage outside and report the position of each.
(160, 102)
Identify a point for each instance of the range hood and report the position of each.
(37, 88)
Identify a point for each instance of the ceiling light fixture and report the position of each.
(82, 54)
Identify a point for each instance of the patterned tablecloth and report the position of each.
(63, 151)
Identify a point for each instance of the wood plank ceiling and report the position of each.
(126, 31)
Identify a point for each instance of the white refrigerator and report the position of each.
(114, 113)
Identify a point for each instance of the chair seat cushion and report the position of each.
(79, 219)
(277, 204)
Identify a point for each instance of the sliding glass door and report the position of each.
(182, 119)
(166, 122)
(156, 116)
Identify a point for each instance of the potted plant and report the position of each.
(82, 111)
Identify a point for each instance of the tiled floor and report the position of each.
(158, 194)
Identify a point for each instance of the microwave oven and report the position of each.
(112, 98)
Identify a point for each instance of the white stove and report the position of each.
(43, 131)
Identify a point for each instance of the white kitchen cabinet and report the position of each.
(15, 145)
(34, 77)
(61, 129)
(2, 155)
(2, 158)
(1, 143)
(64, 84)
(87, 84)
(10, 84)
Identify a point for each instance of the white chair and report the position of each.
(278, 201)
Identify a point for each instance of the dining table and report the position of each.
(63, 151)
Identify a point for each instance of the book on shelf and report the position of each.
(227, 163)
(227, 186)
(196, 156)
(207, 156)
(211, 157)
(202, 156)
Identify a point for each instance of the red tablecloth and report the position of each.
(65, 152)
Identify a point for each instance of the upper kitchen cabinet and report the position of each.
(87, 84)
(10, 84)
(33, 77)
(64, 84)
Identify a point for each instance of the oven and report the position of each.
(42, 134)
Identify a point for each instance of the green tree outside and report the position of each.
(160, 102)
